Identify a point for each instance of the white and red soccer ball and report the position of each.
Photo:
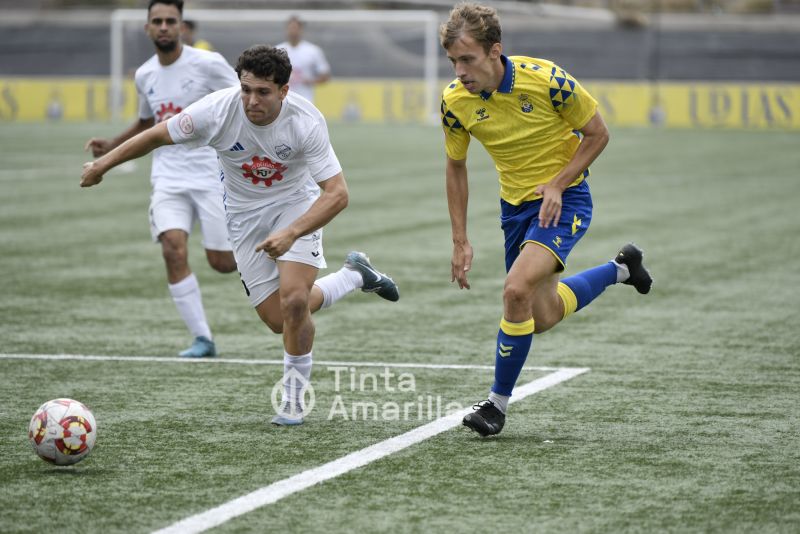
(62, 431)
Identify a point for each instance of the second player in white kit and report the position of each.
(186, 185)
(309, 65)
(283, 183)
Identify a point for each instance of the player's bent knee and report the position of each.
(173, 249)
(222, 262)
(276, 328)
(175, 258)
(294, 306)
(225, 268)
(273, 320)
(516, 295)
(543, 326)
(546, 318)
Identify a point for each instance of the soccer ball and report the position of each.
(62, 431)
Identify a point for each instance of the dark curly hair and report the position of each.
(265, 62)
(176, 3)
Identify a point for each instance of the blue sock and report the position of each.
(513, 343)
(588, 285)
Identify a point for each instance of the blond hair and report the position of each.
(478, 21)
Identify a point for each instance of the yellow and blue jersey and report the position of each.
(529, 125)
(202, 44)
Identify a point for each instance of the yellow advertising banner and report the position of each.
(54, 99)
(670, 104)
(699, 104)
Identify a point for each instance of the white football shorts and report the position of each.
(179, 210)
(258, 271)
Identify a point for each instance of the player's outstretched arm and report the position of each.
(334, 199)
(457, 185)
(133, 148)
(100, 147)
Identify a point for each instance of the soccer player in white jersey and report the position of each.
(309, 66)
(186, 182)
(283, 183)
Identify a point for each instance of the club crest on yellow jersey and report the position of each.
(525, 103)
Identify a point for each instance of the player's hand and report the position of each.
(550, 212)
(98, 147)
(278, 243)
(91, 174)
(461, 264)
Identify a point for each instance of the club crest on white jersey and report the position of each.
(263, 170)
(167, 111)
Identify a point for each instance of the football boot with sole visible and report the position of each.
(374, 281)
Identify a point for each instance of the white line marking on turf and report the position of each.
(283, 488)
(162, 359)
(17, 174)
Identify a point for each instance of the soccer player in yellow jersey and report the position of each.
(543, 130)
(188, 31)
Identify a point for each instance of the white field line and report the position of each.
(40, 172)
(47, 172)
(283, 488)
(102, 358)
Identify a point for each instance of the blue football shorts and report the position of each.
(520, 224)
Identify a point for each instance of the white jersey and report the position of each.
(165, 91)
(280, 163)
(308, 64)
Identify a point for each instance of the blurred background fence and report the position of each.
(677, 63)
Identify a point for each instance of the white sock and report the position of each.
(187, 298)
(336, 285)
(293, 387)
(501, 401)
(622, 271)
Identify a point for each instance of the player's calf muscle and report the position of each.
(547, 312)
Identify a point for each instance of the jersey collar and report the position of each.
(507, 84)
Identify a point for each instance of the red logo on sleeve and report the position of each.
(263, 170)
(167, 111)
